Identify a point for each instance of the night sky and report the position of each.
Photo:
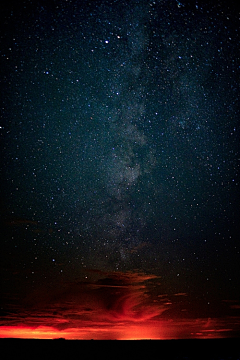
(120, 169)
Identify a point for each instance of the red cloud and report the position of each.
(107, 306)
(133, 307)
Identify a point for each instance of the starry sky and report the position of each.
(120, 169)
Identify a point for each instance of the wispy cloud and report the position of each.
(109, 305)
(106, 296)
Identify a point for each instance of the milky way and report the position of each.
(128, 157)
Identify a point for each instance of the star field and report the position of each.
(120, 133)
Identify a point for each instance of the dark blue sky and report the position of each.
(120, 133)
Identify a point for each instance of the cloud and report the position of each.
(105, 297)
(117, 296)
(132, 307)
(109, 305)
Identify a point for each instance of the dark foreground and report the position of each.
(211, 349)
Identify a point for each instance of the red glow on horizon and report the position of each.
(114, 305)
(155, 330)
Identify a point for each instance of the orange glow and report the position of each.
(111, 306)
(42, 332)
(138, 332)
(154, 329)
